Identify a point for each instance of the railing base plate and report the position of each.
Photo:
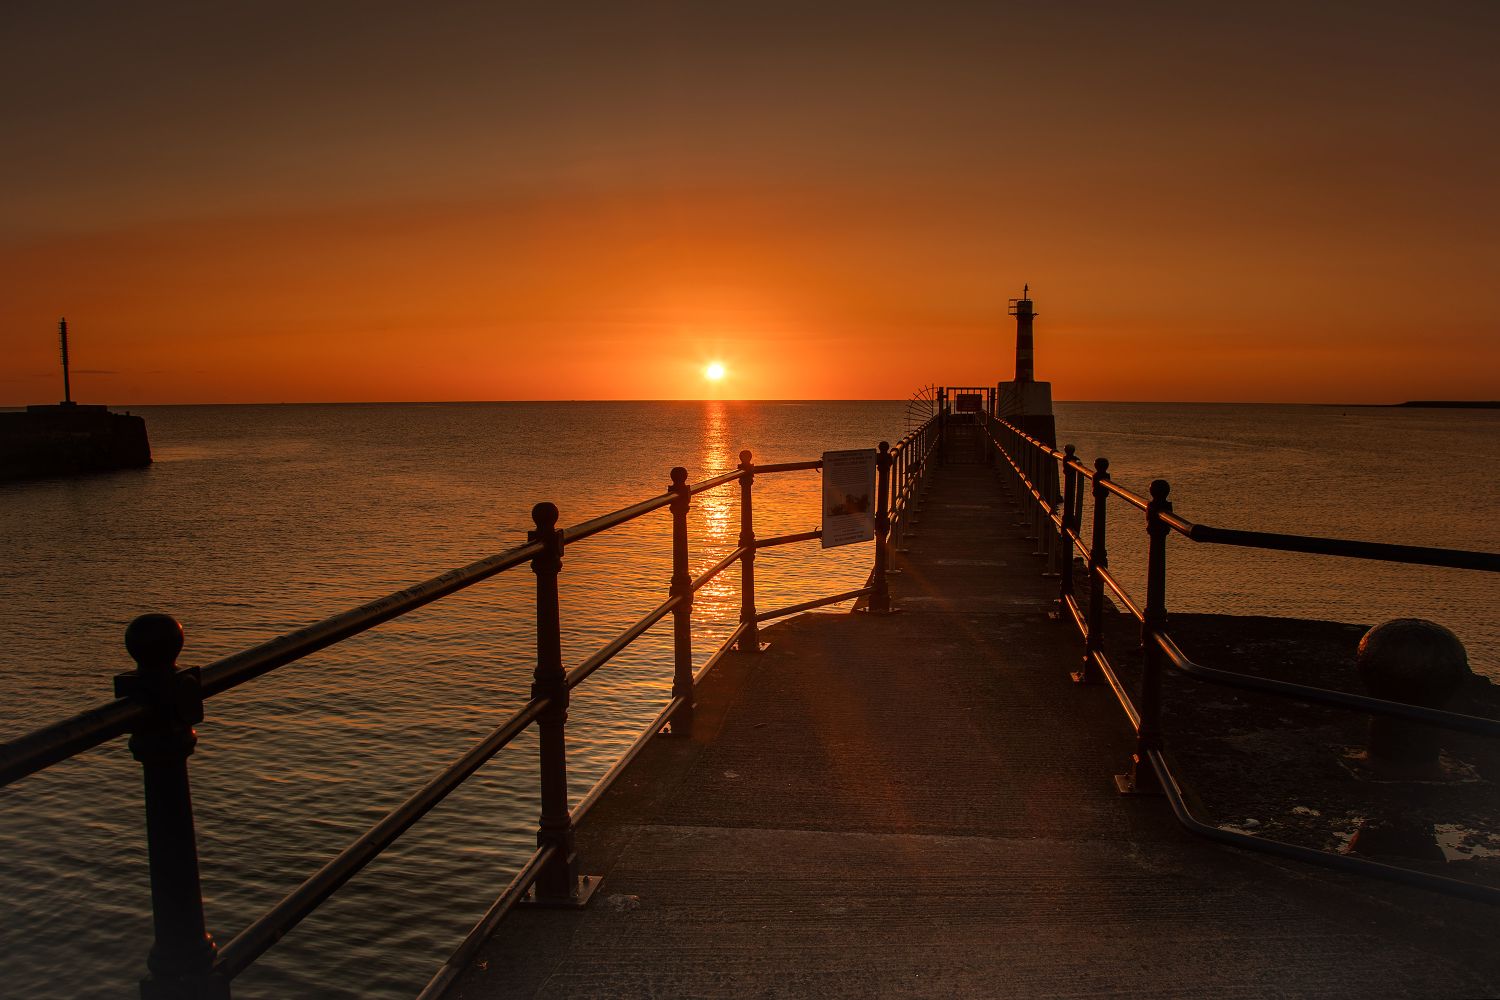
(1126, 784)
(1139, 780)
(584, 891)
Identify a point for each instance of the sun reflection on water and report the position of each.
(716, 527)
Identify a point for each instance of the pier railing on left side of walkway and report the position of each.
(1032, 469)
(159, 705)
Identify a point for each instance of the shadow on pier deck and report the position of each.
(921, 804)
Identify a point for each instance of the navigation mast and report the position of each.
(62, 336)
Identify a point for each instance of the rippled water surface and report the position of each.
(256, 520)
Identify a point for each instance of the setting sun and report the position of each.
(714, 372)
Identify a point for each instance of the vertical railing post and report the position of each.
(898, 513)
(1142, 778)
(989, 410)
(1098, 559)
(1034, 473)
(181, 962)
(682, 615)
(1051, 529)
(1065, 541)
(558, 883)
(1078, 504)
(1028, 462)
(880, 598)
(942, 427)
(1022, 511)
(913, 489)
(750, 638)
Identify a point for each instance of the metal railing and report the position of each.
(1032, 468)
(158, 704)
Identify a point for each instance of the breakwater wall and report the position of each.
(68, 439)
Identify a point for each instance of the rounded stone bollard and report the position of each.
(1417, 662)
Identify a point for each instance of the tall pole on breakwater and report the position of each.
(62, 336)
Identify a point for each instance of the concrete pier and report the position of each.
(922, 804)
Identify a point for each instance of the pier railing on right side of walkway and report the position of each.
(1055, 518)
(159, 704)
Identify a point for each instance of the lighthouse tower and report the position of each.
(1023, 401)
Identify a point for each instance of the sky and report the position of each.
(282, 202)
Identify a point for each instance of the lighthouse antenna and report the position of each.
(62, 336)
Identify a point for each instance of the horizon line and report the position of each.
(803, 399)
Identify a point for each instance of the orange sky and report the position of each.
(386, 204)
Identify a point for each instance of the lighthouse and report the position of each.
(1024, 402)
(1025, 354)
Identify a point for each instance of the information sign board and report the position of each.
(848, 497)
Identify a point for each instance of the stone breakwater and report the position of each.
(69, 439)
(1287, 770)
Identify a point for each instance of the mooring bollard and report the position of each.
(1098, 559)
(1416, 662)
(558, 883)
(1142, 780)
(181, 961)
(880, 598)
(750, 639)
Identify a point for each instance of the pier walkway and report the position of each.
(921, 804)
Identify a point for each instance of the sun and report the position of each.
(714, 372)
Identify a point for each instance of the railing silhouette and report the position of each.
(158, 704)
(1032, 469)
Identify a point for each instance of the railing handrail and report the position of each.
(141, 707)
(1350, 548)
(76, 734)
(1151, 766)
(1457, 721)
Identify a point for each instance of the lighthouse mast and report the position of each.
(62, 336)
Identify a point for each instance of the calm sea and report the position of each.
(258, 519)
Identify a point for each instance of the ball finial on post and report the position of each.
(745, 458)
(679, 476)
(544, 515)
(1159, 490)
(154, 642)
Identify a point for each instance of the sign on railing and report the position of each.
(848, 496)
